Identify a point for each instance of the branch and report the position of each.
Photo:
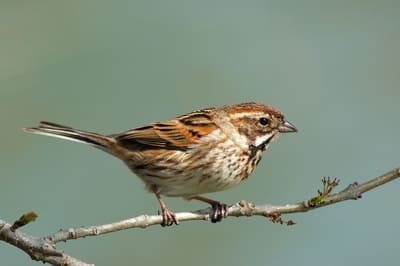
(44, 249)
(37, 248)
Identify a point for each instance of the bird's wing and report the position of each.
(178, 133)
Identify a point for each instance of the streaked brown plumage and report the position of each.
(200, 152)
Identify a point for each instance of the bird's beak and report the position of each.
(286, 127)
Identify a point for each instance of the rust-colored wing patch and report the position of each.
(177, 133)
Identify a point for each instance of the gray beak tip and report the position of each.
(287, 127)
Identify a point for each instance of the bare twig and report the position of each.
(39, 249)
(44, 249)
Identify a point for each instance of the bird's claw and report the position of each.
(169, 218)
(220, 211)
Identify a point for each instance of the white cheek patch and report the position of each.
(262, 139)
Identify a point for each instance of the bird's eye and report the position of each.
(264, 121)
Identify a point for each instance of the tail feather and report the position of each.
(55, 130)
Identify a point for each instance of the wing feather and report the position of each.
(178, 133)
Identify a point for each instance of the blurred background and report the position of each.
(332, 68)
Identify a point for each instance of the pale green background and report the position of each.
(333, 68)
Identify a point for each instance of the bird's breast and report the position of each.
(212, 165)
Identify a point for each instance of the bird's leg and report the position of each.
(220, 210)
(169, 218)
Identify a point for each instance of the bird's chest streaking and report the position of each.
(229, 166)
(217, 165)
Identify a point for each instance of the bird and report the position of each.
(204, 151)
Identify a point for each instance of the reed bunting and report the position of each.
(200, 152)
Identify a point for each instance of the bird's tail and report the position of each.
(99, 141)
